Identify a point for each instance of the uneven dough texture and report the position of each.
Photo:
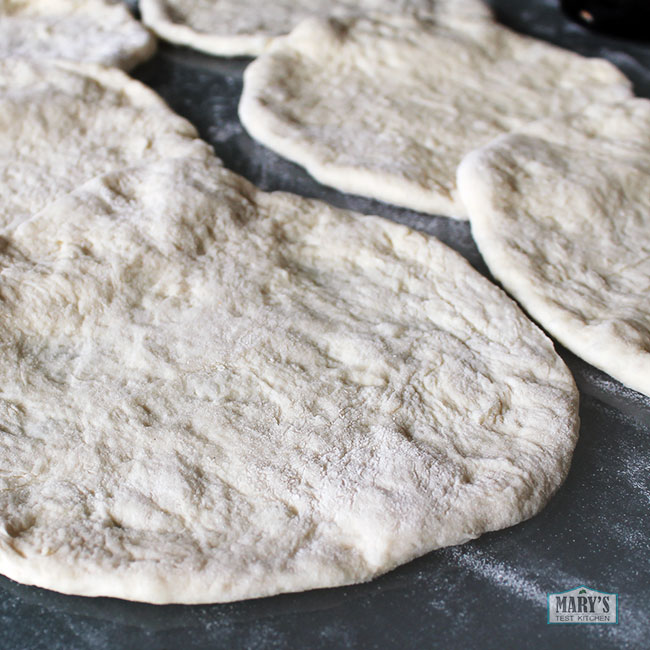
(89, 31)
(61, 124)
(387, 107)
(212, 393)
(247, 27)
(561, 214)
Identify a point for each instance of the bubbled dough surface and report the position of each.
(561, 214)
(246, 27)
(387, 107)
(63, 123)
(212, 393)
(91, 31)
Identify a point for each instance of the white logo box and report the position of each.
(583, 605)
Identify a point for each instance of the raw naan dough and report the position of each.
(246, 27)
(387, 108)
(212, 393)
(90, 31)
(61, 124)
(561, 214)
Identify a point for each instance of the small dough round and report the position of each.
(63, 123)
(88, 31)
(212, 393)
(247, 27)
(387, 107)
(561, 214)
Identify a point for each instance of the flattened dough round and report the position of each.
(89, 31)
(246, 27)
(61, 124)
(212, 393)
(561, 214)
(387, 107)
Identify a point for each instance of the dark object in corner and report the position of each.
(627, 18)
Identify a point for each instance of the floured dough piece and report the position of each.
(246, 27)
(212, 393)
(91, 31)
(561, 214)
(386, 108)
(62, 124)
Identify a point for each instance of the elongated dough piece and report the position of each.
(88, 31)
(212, 393)
(247, 27)
(61, 124)
(561, 214)
(386, 107)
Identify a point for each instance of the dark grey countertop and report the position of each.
(489, 593)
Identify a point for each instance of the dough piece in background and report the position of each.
(61, 124)
(89, 31)
(561, 215)
(387, 107)
(212, 393)
(247, 27)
